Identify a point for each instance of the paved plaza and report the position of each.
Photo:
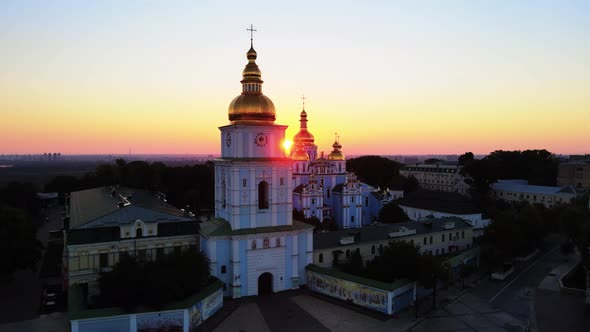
(302, 311)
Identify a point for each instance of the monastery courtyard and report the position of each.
(300, 310)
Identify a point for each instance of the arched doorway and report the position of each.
(265, 284)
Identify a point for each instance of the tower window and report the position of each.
(282, 181)
(321, 258)
(244, 182)
(263, 195)
(352, 219)
(223, 269)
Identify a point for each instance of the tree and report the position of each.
(397, 260)
(466, 158)
(170, 278)
(354, 265)
(430, 270)
(19, 247)
(465, 270)
(392, 213)
(375, 171)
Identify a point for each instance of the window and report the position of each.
(253, 244)
(160, 252)
(312, 201)
(104, 260)
(177, 250)
(373, 250)
(431, 239)
(138, 232)
(443, 238)
(282, 181)
(328, 193)
(437, 251)
(424, 240)
(278, 241)
(321, 258)
(244, 183)
(352, 199)
(352, 219)
(265, 243)
(347, 252)
(223, 269)
(263, 195)
(442, 251)
(366, 201)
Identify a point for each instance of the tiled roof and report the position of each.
(356, 279)
(106, 206)
(221, 227)
(516, 187)
(439, 201)
(380, 232)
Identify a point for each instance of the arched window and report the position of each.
(138, 232)
(321, 259)
(263, 195)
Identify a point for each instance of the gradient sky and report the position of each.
(392, 77)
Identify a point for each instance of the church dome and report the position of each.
(251, 106)
(336, 154)
(300, 154)
(303, 135)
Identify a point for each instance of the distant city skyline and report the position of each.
(393, 78)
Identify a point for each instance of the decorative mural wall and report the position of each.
(346, 290)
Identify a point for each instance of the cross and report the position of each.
(252, 30)
(303, 100)
(336, 138)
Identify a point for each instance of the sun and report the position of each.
(287, 146)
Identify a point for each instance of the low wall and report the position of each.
(379, 296)
(182, 316)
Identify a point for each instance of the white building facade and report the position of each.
(253, 244)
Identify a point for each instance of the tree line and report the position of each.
(189, 187)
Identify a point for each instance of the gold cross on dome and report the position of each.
(303, 100)
(252, 30)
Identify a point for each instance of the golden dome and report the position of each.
(251, 107)
(303, 135)
(299, 154)
(336, 154)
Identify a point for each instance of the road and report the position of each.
(521, 297)
(20, 298)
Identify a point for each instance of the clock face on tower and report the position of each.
(228, 139)
(261, 139)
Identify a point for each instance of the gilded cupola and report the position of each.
(251, 106)
(300, 154)
(303, 136)
(336, 154)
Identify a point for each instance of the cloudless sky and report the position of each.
(391, 77)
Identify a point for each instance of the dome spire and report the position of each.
(251, 106)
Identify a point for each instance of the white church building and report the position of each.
(253, 243)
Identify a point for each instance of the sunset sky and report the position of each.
(392, 77)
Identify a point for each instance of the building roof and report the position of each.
(380, 232)
(299, 189)
(519, 187)
(221, 227)
(115, 206)
(439, 201)
(338, 188)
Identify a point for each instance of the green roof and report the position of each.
(220, 227)
(114, 206)
(359, 280)
(467, 254)
(78, 310)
